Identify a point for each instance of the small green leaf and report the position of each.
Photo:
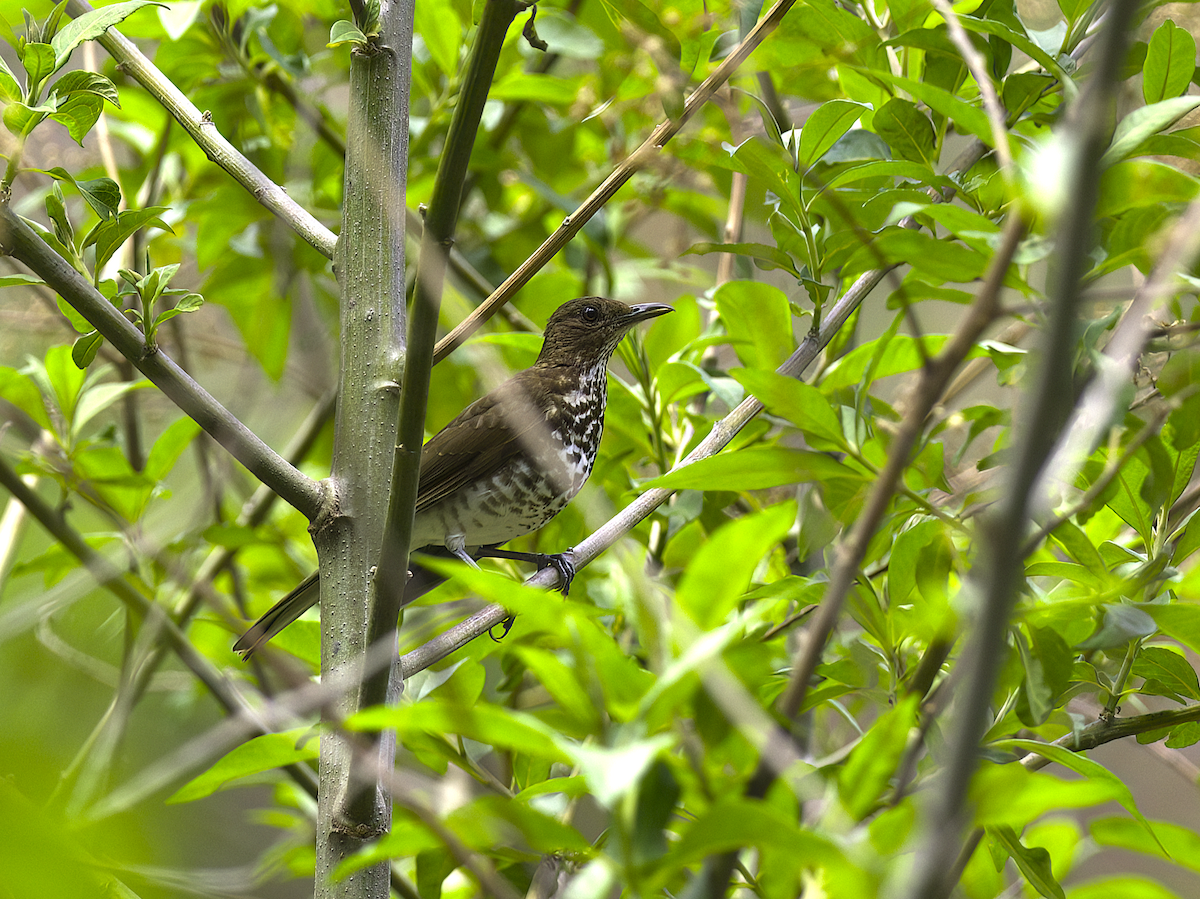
(825, 126)
(1170, 63)
(169, 446)
(38, 60)
(78, 113)
(758, 319)
(91, 25)
(1120, 624)
(1167, 673)
(801, 404)
(970, 119)
(1033, 862)
(19, 280)
(438, 26)
(263, 753)
(346, 32)
(1144, 122)
(765, 257)
(85, 348)
(82, 81)
(111, 234)
(907, 131)
(754, 469)
(868, 772)
(720, 571)
(20, 119)
(10, 89)
(1084, 767)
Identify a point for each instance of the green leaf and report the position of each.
(111, 234)
(99, 397)
(907, 131)
(1025, 45)
(1136, 183)
(19, 280)
(1010, 795)
(10, 89)
(612, 772)
(968, 118)
(439, 27)
(92, 25)
(82, 81)
(19, 389)
(170, 444)
(720, 571)
(1120, 624)
(85, 348)
(825, 126)
(1179, 843)
(765, 257)
(1143, 122)
(20, 119)
(346, 32)
(1167, 673)
(1170, 63)
(1129, 887)
(1048, 664)
(78, 113)
(489, 724)
(801, 404)
(1084, 767)
(754, 469)
(941, 259)
(263, 753)
(38, 60)
(658, 792)
(758, 320)
(1033, 862)
(102, 194)
(734, 823)
(867, 774)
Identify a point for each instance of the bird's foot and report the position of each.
(563, 563)
(507, 624)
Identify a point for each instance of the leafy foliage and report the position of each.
(618, 738)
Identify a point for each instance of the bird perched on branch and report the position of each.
(512, 460)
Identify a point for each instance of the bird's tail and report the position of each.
(280, 615)
(308, 591)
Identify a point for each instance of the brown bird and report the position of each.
(512, 460)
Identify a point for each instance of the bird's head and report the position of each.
(587, 330)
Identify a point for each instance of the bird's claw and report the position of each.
(563, 563)
(507, 624)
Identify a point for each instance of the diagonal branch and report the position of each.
(614, 182)
(201, 129)
(20, 241)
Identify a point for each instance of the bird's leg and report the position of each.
(457, 544)
(562, 562)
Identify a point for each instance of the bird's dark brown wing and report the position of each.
(484, 436)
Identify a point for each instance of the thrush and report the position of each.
(513, 459)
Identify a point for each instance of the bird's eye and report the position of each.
(590, 314)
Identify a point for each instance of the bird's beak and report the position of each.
(639, 312)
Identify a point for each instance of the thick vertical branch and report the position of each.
(370, 268)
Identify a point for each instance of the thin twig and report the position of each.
(608, 188)
(200, 127)
(300, 491)
(1000, 571)
(977, 66)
